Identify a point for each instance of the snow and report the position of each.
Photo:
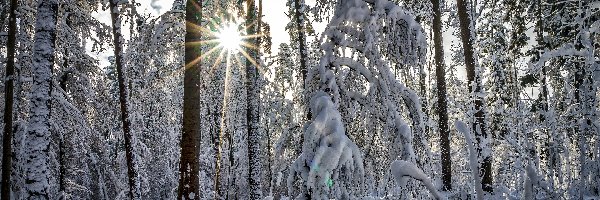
(357, 27)
(473, 164)
(38, 136)
(269, 198)
(360, 109)
(326, 148)
(402, 169)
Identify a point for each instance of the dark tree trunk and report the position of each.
(475, 88)
(540, 41)
(252, 97)
(442, 108)
(118, 40)
(8, 101)
(37, 160)
(62, 171)
(303, 70)
(188, 164)
(302, 51)
(62, 160)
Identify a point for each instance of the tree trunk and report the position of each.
(442, 107)
(8, 101)
(303, 70)
(37, 161)
(540, 41)
(188, 164)
(475, 88)
(252, 97)
(134, 192)
(302, 51)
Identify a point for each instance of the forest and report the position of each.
(334, 99)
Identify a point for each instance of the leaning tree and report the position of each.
(360, 109)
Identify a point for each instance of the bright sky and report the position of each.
(274, 14)
(273, 11)
(154, 7)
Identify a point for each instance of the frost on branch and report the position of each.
(326, 150)
(473, 164)
(355, 90)
(402, 170)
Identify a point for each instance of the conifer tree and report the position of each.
(8, 101)
(474, 80)
(188, 164)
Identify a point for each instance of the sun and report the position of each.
(228, 41)
(230, 38)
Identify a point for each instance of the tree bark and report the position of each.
(442, 107)
(540, 41)
(37, 161)
(475, 88)
(252, 109)
(303, 70)
(134, 192)
(8, 101)
(302, 51)
(188, 164)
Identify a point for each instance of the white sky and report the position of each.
(273, 11)
(156, 7)
(274, 15)
(153, 7)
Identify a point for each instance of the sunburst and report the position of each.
(229, 41)
(230, 38)
(227, 36)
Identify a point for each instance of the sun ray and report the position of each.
(252, 36)
(210, 55)
(218, 61)
(229, 37)
(203, 42)
(213, 22)
(224, 109)
(209, 52)
(251, 25)
(196, 60)
(228, 31)
(197, 27)
(252, 60)
(248, 57)
(248, 45)
(237, 58)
